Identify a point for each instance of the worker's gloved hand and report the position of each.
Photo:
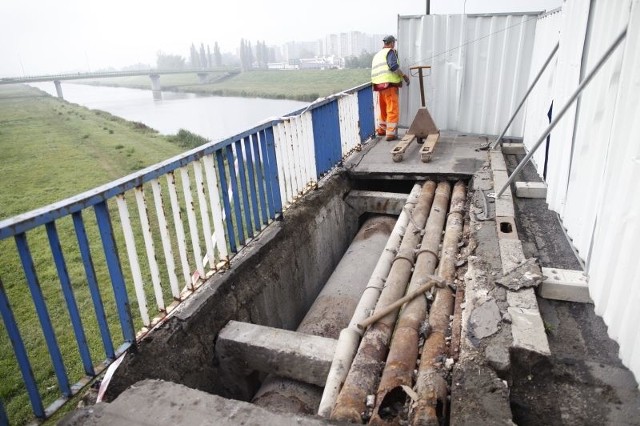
(406, 79)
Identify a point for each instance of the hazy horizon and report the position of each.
(44, 37)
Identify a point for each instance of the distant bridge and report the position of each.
(154, 75)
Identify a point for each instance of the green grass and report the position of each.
(303, 85)
(51, 150)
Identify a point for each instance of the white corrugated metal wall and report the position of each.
(480, 68)
(594, 155)
(541, 96)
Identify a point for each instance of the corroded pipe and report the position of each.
(369, 360)
(330, 312)
(431, 386)
(350, 336)
(403, 351)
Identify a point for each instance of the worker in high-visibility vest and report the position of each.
(387, 77)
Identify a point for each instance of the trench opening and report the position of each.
(277, 394)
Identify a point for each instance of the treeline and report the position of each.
(249, 57)
(362, 61)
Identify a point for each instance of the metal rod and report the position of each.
(577, 92)
(422, 100)
(433, 280)
(526, 95)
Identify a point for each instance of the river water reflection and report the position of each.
(214, 117)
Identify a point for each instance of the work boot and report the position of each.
(391, 138)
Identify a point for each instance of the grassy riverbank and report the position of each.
(302, 85)
(49, 150)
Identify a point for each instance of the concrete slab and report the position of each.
(455, 155)
(289, 354)
(565, 284)
(154, 402)
(531, 189)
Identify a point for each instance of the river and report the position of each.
(214, 117)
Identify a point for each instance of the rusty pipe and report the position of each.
(366, 367)
(403, 351)
(350, 336)
(431, 386)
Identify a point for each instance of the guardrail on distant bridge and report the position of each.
(108, 74)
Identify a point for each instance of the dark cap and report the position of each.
(389, 39)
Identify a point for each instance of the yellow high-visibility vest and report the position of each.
(380, 72)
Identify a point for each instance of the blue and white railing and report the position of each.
(140, 245)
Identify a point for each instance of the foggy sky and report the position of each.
(44, 36)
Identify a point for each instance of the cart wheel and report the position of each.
(419, 141)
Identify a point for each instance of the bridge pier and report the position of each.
(58, 88)
(155, 86)
(203, 77)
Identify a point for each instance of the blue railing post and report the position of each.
(115, 271)
(326, 137)
(92, 281)
(43, 313)
(4, 420)
(67, 290)
(366, 114)
(271, 174)
(226, 204)
(21, 355)
(252, 184)
(235, 193)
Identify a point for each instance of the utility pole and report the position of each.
(428, 7)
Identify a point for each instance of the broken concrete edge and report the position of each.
(161, 402)
(528, 328)
(182, 349)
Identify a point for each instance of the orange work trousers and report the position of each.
(389, 111)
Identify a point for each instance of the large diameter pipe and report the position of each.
(403, 351)
(330, 312)
(431, 387)
(367, 365)
(350, 336)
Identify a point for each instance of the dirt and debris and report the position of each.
(526, 274)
